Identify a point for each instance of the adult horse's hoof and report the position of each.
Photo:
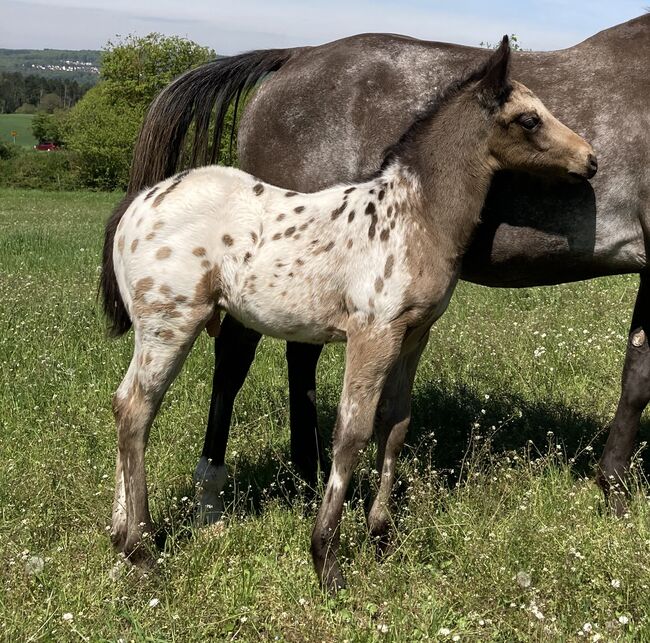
(210, 481)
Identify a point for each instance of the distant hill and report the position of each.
(81, 65)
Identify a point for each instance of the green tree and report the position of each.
(102, 127)
(49, 102)
(49, 127)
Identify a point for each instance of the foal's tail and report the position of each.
(114, 308)
(199, 97)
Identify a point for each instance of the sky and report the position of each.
(240, 25)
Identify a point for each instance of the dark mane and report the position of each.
(432, 108)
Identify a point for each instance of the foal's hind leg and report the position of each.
(391, 425)
(635, 394)
(158, 356)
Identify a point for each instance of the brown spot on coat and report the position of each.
(299, 262)
(379, 284)
(247, 256)
(280, 216)
(350, 243)
(205, 264)
(385, 233)
(388, 268)
(336, 213)
(258, 188)
(299, 209)
(120, 244)
(290, 194)
(163, 252)
(372, 212)
(134, 244)
(165, 290)
(352, 189)
(289, 231)
(158, 200)
(351, 216)
(227, 240)
(380, 196)
(276, 236)
(200, 251)
(158, 225)
(151, 193)
(254, 237)
(150, 236)
(167, 334)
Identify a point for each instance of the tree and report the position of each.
(102, 127)
(49, 127)
(49, 102)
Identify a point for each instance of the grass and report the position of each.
(22, 125)
(500, 532)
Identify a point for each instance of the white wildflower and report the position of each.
(587, 627)
(154, 602)
(623, 620)
(616, 584)
(523, 579)
(67, 616)
(444, 631)
(34, 565)
(383, 628)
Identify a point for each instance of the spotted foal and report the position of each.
(373, 264)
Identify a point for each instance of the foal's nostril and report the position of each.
(592, 164)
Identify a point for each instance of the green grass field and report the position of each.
(19, 123)
(500, 534)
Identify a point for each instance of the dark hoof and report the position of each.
(616, 496)
(384, 546)
(334, 582)
(118, 540)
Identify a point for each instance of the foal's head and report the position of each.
(523, 134)
(490, 120)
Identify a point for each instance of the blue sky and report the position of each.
(240, 25)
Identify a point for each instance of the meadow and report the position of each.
(500, 532)
(22, 125)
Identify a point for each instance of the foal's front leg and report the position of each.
(391, 425)
(370, 355)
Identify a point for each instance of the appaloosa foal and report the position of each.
(373, 263)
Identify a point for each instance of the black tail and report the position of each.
(197, 97)
(114, 309)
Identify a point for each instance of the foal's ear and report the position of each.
(494, 87)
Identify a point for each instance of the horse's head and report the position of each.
(524, 135)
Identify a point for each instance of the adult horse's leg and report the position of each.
(391, 425)
(234, 351)
(306, 445)
(370, 357)
(635, 395)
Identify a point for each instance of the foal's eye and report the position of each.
(529, 121)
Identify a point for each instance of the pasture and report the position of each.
(22, 125)
(500, 532)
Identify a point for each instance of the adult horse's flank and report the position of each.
(373, 264)
(328, 113)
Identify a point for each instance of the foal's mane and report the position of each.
(438, 101)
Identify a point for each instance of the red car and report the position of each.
(46, 147)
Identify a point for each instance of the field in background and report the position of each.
(22, 125)
(500, 533)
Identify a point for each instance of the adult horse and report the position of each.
(327, 114)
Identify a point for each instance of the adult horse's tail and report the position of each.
(199, 97)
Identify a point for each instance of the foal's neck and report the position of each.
(451, 171)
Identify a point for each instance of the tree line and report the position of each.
(26, 93)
